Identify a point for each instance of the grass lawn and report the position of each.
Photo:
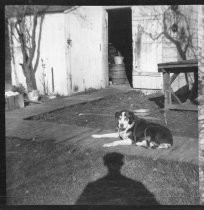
(48, 173)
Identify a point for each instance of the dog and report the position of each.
(138, 131)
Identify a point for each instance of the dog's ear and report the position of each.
(117, 114)
(131, 117)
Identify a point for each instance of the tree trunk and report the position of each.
(30, 78)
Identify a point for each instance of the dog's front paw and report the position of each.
(108, 145)
(96, 136)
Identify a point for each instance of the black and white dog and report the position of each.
(134, 130)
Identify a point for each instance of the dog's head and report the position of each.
(124, 118)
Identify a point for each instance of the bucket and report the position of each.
(118, 74)
(118, 59)
(33, 95)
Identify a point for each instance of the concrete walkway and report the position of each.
(185, 149)
(18, 126)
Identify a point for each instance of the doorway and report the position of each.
(120, 37)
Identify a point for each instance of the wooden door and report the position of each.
(86, 52)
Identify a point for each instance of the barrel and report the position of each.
(118, 74)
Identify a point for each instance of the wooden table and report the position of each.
(176, 68)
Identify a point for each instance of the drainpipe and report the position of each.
(53, 87)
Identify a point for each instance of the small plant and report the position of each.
(43, 78)
(90, 90)
(59, 95)
(19, 88)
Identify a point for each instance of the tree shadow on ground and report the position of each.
(114, 188)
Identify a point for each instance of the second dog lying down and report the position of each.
(133, 130)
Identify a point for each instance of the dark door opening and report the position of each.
(120, 36)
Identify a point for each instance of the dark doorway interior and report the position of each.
(120, 35)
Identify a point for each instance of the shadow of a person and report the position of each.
(114, 188)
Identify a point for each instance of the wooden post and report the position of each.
(10, 103)
(14, 102)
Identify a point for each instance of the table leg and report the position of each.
(194, 90)
(166, 89)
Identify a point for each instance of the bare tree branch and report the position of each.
(26, 23)
(32, 49)
(154, 38)
(22, 41)
(167, 35)
(39, 40)
(12, 32)
(174, 41)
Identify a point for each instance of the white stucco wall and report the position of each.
(77, 68)
(147, 53)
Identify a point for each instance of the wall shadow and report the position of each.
(182, 93)
(114, 188)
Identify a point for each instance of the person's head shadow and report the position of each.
(114, 188)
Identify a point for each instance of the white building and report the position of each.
(74, 47)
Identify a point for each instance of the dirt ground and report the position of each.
(49, 173)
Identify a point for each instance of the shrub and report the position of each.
(19, 88)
